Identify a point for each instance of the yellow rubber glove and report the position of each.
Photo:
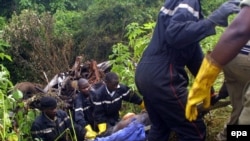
(90, 133)
(200, 90)
(142, 106)
(102, 128)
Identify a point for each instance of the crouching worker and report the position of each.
(108, 100)
(54, 124)
(83, 113)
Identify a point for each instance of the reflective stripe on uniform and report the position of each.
(113, 101)
(44, 131)
(185, 6)
(82, 109)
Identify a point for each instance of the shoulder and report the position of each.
(78, 95)
(170, 4)
(99, 91)
(61, 113)
(123, 87)
(38, 122)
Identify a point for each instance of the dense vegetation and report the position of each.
(46, 36)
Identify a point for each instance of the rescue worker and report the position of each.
(53, 124)
(161, 76)
(108, 101)
(231, 54)
(83, 113)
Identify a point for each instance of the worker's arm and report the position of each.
(234, 38)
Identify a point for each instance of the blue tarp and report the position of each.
(133, 132)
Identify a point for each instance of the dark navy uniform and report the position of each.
(161, 76)
(48, 130)
(84, 110)
(107, 104)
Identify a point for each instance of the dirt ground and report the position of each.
(216, 120)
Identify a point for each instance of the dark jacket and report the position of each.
(175, 42)
(48, 130)
(107, 107)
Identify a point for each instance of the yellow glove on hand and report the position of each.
(102, 128)
(200, 90)
(90, 134)
(142, 106)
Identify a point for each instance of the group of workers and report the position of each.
(94, 111)
(162, 80)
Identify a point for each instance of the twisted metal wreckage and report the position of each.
(63, 85)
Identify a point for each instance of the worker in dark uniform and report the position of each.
(53, 124)
(108, 101)
(161, 76)
(83, 109)
(230, 54)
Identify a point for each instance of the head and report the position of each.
(48, 106)
(83, 85)
(111, 80)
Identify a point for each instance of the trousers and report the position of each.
(237, 76)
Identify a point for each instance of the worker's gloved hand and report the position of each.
(102, 128)
(220, 16)
(142, 106)
(200, 90)
(90, 133)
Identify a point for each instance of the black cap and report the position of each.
(48, 102)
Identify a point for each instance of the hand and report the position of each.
(142, 105)
(197, 95)
(90, 133)
(219, 16)
(200, 90)
(102, 128)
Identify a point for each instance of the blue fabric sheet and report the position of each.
(133, 132)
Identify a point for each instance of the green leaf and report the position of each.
(17, 95)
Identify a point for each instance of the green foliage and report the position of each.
(104, 24)
(36, 48)
(3, 45)
(9, 103)
(208, 6)
(67, 22)
(125, 56)
(15, 121)
(5, 101)
(6, 8)
(43, 6)
(2, 23)
(24, 118)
